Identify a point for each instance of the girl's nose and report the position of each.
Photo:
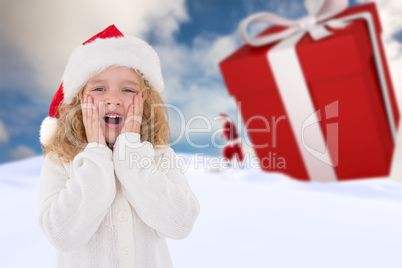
(113, 99)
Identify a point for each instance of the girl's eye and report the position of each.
(129, 90)
(99, 89)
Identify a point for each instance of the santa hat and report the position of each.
(223, 116)
(107, 48)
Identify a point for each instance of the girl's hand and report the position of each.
(134, 115)
(90, 117)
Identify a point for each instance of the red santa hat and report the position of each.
(107, 48)
(223, 117)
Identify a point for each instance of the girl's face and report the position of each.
(113, 90)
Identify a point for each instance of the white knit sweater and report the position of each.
(115, 209)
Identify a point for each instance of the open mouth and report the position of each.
(113, 119)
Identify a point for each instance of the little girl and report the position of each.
(111, 188)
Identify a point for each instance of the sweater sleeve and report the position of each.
(71, 208)
(158, 192)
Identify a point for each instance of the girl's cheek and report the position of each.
(126, 109)
(95, 100)
(100, 104)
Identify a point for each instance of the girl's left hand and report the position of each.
(134, 115)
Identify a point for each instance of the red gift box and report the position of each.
(344, 86)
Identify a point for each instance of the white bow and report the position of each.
(320, 11)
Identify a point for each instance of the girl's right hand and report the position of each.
(90, 118)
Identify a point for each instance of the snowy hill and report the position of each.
(248, 218)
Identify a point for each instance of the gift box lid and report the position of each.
(319, 59)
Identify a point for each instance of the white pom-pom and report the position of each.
(47, 129)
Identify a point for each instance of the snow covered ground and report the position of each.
(248, 218)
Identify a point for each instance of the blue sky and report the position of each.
(190, 36)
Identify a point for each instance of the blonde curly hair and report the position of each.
(70, 137)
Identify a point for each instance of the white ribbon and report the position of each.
(319, 12)
(233, 142)
(290, 80)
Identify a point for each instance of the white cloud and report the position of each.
(3, 133)
(22, 152)
(208, 53)
(193, 79)
(198, 60)
(46, 32)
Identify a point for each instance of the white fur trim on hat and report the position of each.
(47, 129)
(92, 58)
